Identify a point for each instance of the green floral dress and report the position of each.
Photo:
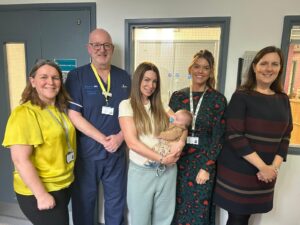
(194, 201)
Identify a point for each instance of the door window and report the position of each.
(291, 49)
(171, 50)
(172, 45)
(14, 55)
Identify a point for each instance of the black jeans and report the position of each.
(59, 215)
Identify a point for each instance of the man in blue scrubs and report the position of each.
(96, 90)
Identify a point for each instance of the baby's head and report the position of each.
(183, 118)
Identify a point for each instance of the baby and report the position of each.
(179, 122)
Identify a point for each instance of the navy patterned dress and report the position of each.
(194, 201)
(255, 122)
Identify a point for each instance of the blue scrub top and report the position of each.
(87, 99)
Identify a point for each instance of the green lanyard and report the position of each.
(105, 92)
(64, 125)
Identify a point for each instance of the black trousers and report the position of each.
(236, 219)
(59, 215)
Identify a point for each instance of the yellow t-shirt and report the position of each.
(30, 125)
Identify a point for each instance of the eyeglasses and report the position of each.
(97, 46)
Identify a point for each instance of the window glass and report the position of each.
(14, 53)
(172, 50)
(292, 82)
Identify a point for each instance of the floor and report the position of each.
(9, 220)
(5, 220)
(10, 214)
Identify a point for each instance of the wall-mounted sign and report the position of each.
(66, 65)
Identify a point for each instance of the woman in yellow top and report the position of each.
(43, 149)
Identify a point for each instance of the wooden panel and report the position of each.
(295, 105)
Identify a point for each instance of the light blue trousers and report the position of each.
(151, 195)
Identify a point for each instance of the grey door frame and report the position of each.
(223, 22)
(55, 6)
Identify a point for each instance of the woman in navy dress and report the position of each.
(259, 124)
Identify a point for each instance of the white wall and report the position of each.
(254, 25)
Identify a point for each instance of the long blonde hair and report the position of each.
(141, 118)
(205, 54)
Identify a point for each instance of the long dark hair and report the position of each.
(250, 83)
(30, 93)
(140, 116)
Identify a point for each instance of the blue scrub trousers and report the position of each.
(111, 171)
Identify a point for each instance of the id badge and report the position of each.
(70, 157)
(192, 140)
(106, 110)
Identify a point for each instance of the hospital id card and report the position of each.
(70, 157)
(107, 110)
(192, 140)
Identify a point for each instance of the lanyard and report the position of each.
(197, 108)
(64, 125)
(105, 92)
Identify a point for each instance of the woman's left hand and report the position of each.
(202, 176)
(171, 158)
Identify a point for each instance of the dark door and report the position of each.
(47, 31)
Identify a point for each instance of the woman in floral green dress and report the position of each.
(196, 166)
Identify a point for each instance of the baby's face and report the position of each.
(180, 120)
